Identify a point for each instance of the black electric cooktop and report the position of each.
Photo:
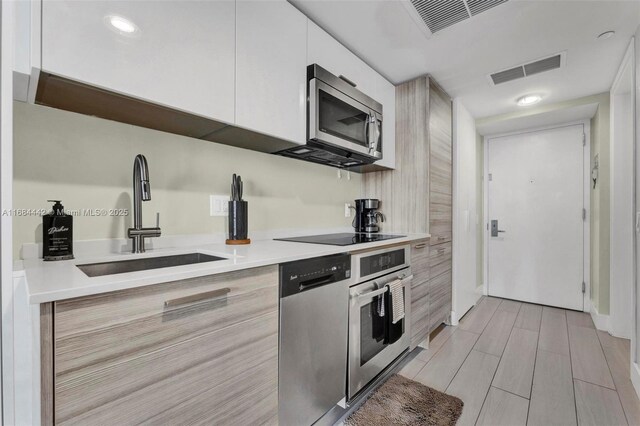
(343, 239)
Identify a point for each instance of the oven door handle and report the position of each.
(363, 298)
(372, 294)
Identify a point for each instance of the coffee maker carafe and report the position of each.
(367, 215)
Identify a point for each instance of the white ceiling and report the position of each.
(389, 38)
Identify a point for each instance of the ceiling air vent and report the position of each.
(507, 75)
(441, 14)
(438, 15)
(543, 65)
(479, 6)
(525, 70)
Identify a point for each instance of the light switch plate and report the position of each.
(347, 210)
(219, 205)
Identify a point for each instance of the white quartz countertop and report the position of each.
(50, 281)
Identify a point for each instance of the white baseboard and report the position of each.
(635, 377)
(453, 319)
(601, 321)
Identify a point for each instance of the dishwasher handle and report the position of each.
(315, 282)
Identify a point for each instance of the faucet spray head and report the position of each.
(143, 170)
(145, 187)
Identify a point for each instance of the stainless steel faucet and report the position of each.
(141, 192)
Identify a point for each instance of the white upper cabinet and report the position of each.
(173, 53)
(327, 52)
(271, 76)
(386, 94)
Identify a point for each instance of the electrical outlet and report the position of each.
(219, 205)
(347, 210)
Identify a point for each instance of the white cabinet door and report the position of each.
(386, 95)
(271, 73)
(180, 54)
(327, 52)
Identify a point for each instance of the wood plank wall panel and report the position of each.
(125, 358)
(404, 191)
(440, 166)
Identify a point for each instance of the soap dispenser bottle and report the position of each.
(57, 233)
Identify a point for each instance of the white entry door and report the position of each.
(536, 195)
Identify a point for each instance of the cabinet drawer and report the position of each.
(419, 315)
(440, 287)
(225, 377)
(104, 329)
(202, 349)
(419, 331)
(420, 260)
(419, 289)
(440, 291)
(439, 298)
(439, 254)
(438, 314)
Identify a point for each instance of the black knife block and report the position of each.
(238, 223)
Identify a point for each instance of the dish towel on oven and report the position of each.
(396, 291)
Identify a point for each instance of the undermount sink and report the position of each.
(133, 265)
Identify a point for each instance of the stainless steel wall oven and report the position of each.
(374, 340)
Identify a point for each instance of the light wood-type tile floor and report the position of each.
(516, 363)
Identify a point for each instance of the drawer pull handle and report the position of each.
(420, 246)
(441, 238)
(196, 297)
(441, 251)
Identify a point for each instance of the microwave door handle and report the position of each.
(373, 139)
(367, 130)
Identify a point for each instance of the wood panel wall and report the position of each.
(404, 191)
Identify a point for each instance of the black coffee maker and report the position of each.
(368, 216)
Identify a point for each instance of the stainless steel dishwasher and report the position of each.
(314, 317)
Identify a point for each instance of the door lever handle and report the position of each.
(494, 229)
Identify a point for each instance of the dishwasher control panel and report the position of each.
(303, 275)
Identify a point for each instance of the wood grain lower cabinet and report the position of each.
(419, 323)
(203, 350)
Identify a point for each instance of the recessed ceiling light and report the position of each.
(529, 100)
(606, 35)
(121, 25)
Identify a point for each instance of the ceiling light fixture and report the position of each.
(529, 100)
(606, 35)
(122, 25)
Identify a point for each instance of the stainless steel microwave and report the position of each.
(344, 125)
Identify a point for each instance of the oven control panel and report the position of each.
(376, 263)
